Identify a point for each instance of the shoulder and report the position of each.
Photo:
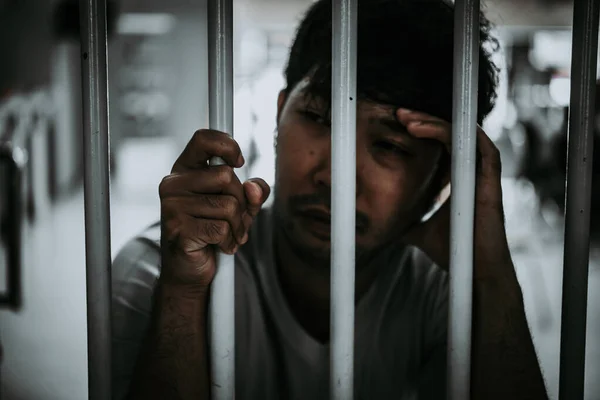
(140, 257)
(135, 270)
(134, 273)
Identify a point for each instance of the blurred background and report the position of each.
(158, 98)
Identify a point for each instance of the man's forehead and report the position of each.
(303, 93)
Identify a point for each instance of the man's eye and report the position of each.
(315, 117)
(392, 148)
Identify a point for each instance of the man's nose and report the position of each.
(322, 176)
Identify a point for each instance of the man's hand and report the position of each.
(504, 363)
(204, 208)
(491, 245)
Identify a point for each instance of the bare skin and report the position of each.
(398, 161)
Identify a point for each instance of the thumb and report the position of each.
(257, 192)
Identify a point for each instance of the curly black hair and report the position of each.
(405, 55)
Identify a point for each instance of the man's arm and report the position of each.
(173, 363)
(204, 209)
(504, 363)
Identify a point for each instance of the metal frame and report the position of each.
(222, 331)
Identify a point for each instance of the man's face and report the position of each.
(394, 172)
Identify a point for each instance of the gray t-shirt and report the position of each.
(400, 336)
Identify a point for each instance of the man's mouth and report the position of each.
(318, 220)
(317, 214)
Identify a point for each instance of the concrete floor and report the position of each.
(45, 344)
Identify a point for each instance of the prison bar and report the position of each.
(220, 108)
(343, 196)
(97, 198)
(578, 199)
(15, 156)
(464, 139)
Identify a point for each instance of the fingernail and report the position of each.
(241, 160)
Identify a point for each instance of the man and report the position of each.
(405, 59)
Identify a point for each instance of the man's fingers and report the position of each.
(424, 126)
(214, 180)
(210, 207)
(215, 232)
(206, 144)
(257, 192)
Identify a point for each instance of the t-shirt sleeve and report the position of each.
(134, 273)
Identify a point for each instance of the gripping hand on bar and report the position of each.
(495, 286)
(432, 236)
(205, 207)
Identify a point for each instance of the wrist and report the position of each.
(183, 292)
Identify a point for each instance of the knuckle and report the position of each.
(216, 230)
(226, 176)
(230, 206)
(199, 135)
(164, 186)
(171, 226)
(213, 201)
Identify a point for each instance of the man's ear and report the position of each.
(280, 103)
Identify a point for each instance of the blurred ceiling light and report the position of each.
(145, 24)
(551, 49)
(560, 90)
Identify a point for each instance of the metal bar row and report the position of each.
(222, 331)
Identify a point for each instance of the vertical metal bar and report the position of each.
(222, 300)
(16, 159)
(14, 126)
(97, 195)
(343, 196)
(578, 198)
(466, 69)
